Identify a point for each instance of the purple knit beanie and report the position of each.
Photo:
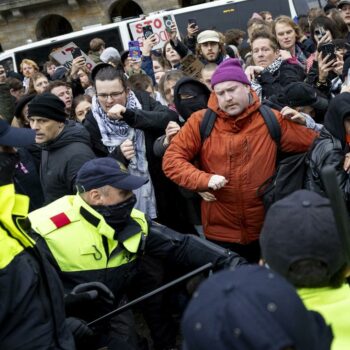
(229, 70)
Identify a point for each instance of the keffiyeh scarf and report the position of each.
(114, 133)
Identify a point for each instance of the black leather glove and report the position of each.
(89, 300)
(80, 330)
(8, 162)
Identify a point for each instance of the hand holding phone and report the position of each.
(76, 52)
(134, 50)
(192, 22)
(328, 49)
(168, 23)
(147, 31)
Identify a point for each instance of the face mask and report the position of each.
(191, 105)
(116, 215)
(8, 163)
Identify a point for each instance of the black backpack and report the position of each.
(291, 169)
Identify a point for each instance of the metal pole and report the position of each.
(150, 294)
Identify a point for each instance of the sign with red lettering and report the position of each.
(63, 56)
(160, 27)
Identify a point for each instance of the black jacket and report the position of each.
(272, 83)
(330, 147)
(61, 159)
(153, 118)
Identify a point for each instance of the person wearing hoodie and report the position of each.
(65, 146)
(332, 147)
(190, 96)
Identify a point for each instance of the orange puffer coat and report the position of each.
(241, 149)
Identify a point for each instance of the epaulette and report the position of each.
(53, 217)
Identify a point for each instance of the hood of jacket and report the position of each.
(190, 87)
(338, 109)
(72, 132)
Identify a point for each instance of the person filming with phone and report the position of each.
(326, 64)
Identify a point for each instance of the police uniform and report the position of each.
(31, 297)
(83, 247)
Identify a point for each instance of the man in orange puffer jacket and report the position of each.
(236, 158)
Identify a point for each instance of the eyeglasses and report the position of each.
(112, 95)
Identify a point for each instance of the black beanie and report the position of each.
(48, 106)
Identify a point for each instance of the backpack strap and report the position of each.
(272, 124)
(207, 124)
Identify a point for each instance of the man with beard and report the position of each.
(210, 49)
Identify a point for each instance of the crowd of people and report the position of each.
(117, 180)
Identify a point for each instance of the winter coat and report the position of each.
(61, 159)
(272, 83)
(153, 118)
(7, 103)
(241, 149)
(330, 147)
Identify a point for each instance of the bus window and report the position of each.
(41, 54)
(7, 63)
(303, 6)
(231, 15)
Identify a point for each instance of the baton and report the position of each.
(340, 212)
(153, 292)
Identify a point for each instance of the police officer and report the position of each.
(96, 235)
(31, 298)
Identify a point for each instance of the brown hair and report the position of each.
(96, 44)
(264, 35)
(140, 82)
(168, 76)
(232, 36)
(57, 83)
(35, 77)
(29, 63)
(288, 21)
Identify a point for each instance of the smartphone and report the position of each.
(147, 31)
(134, 50)
(320, 32)
(328, 49)
(168, 22)
(76, 52)
(192, 22)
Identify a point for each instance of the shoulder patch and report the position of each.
(60, 220)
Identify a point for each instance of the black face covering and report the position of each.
(8, 162)
(116, 215)
(191, 105)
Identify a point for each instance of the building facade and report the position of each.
(23, 21)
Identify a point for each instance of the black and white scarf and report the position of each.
(114, 133)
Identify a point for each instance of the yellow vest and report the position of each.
(334, 305)
(13, 240)
(74, 234)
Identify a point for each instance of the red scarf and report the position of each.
(347, 138)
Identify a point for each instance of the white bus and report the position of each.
(221, 15)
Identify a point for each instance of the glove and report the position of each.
(216, 182)
(8, 162)
(230, 262)
(89, 300)
(80, 330)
